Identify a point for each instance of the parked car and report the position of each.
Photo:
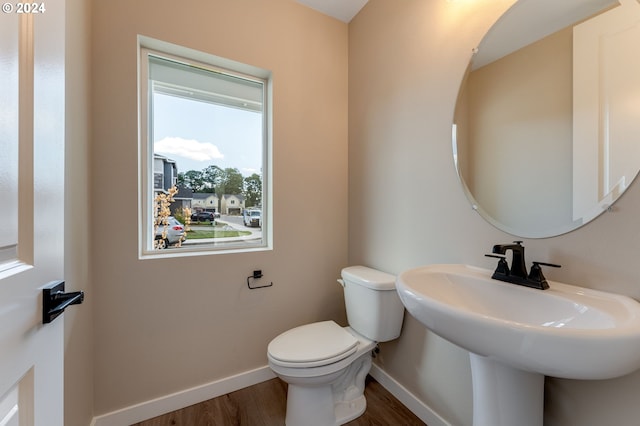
(203, 216)
(175, 232)
(252, 218)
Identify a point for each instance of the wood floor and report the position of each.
(264, 404)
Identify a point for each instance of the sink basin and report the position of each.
(564, 331)
(516, 335)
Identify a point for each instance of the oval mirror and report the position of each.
(546, 132)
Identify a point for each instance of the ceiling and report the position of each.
(532, 20)
(344, 10)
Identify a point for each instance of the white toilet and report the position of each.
(325, 365)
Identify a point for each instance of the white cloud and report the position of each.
(188, 148)
(249, 171)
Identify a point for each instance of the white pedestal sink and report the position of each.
(517, 335)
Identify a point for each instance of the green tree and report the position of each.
(192, 179)
(212, 176)
(232, 182)
(253, 190)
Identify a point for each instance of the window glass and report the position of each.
(204, 142)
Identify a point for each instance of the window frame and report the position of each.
(146, 47)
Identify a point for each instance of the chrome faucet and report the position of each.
(517, 273)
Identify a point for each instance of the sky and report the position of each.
(198, 134)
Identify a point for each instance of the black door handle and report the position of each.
(55, 300)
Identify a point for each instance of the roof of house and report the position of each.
(184, 193)
(203, 195)
(238, 196)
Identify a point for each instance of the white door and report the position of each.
(606, 112)
(31, 210)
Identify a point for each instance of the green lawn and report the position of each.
(213, 233)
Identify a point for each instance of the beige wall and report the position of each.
(406, 61)
(78, 322)
(163, 326)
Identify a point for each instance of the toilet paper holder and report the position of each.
(257, 274)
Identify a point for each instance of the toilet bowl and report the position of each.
(325, 388)
(325, 365)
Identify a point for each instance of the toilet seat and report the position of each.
(312, 345)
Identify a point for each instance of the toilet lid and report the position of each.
(320, 343)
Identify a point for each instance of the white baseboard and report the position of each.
(409, 400)
(166, 404)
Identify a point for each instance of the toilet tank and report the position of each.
(373, 307)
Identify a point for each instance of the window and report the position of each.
(204, 143)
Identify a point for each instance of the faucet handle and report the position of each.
(497, 256)
(503, 266)
(536, 273)
(553, 265)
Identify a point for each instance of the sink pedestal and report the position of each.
(505, 396)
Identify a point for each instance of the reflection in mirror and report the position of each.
(548, 117)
